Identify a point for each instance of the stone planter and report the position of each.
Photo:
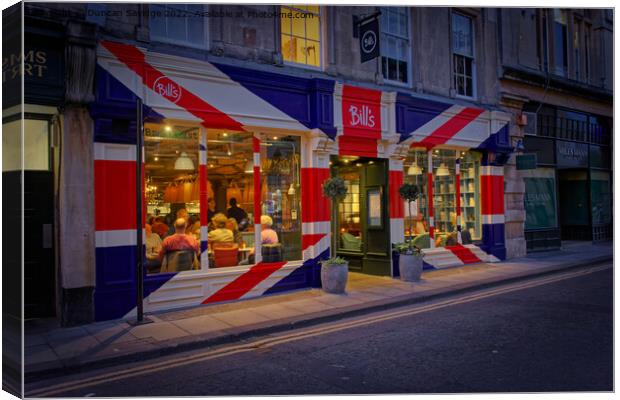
(334, 277)
(410, 267)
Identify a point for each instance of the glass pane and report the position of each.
(11, 146)
(299, 27)
(402, 71)
(601, 197)
(289, 48)
(462, 35)
(444, 197)
(172, 194)
(230, 194)
(393, 21)
(285, 22)
(300, 50)
(195, 24)
(416, 213)
(157, 25)
(349, 222)
(540, 198)
(177, 25)
(392, 69)
(384, 67)
(36, 145)
(313, 9)
(280, 198)
(470, 197)
(313, 29)
(313, 51)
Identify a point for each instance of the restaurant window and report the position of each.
(463, 55)
(280, 198)
(395, 43)
(172, 190)
(416, 216)
(176, 23)
(540, 199)
(577, 47)
(349, 214)
(301, 38)
(230, 197)
(444, 197)
(560, 42)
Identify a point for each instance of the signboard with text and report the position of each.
(369, 40)
(361, 112)
(572, 154)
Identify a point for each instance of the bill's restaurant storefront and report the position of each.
(246, 151)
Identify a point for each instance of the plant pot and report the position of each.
(334, 277)
(410, 267)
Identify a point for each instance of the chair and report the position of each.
(422, 241)
(225, 256)
(350, 242)
(271, 252)
(178, 260)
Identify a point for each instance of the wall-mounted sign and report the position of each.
(361, 112)
(571, 154)
(526, 161)
(369, 40)
(167, 88)
(374, 208)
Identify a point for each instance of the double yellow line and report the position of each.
(182, 360)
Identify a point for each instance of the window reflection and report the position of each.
(416, 219)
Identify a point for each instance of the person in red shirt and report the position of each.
(179, 241)
(159, 227)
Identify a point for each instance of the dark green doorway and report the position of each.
(363, 226)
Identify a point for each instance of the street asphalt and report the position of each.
(552, 337)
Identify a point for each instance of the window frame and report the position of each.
(474, 74)
(562, 70)
(322, 38)
(166, 40)
(409, 56)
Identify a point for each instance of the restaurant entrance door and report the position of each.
(362, 225)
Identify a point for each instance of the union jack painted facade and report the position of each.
(331, 117)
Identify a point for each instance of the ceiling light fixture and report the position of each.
(291, 190)
(184, 163)
(442, 170)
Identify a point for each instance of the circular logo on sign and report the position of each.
(369, 41)
(165, 87)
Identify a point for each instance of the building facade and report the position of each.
(261, 104)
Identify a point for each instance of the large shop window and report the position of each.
(540, 199)
(177, 23)
(300, 28)
(445, 213)
(601, 197)
(395, 45)
(172, 191)
(280, 198)
(463, 55)
(35, 145)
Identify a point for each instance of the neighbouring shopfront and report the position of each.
(568, 196)
(241, 155)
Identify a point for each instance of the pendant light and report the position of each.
(442, 170)
(291, 190)
(414, 169)
(184, 162)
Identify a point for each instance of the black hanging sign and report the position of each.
(369, 39)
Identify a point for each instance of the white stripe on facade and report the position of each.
(493, 218)
(116, 238)
(486, 170)
(115, 151)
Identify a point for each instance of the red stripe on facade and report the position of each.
(397, 206)
(491, 194)
(314, 206)
(357, 146)
(255, 144)
(170, 90)
(451, 127)
(311, 239)
(464, 254)
(115, 195)
(244, 283)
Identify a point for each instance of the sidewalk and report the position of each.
(51, 349)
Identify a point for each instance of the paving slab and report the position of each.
(159, 331)
(201, 324)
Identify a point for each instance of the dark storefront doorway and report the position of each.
(573, 187)
(362, 226)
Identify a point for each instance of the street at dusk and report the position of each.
(550, 338)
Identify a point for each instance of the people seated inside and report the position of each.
(153, 247)
(220, 234)
(231, 224)
(159, 227)
(267, 235)
(235, 211)
(179, 251)
(350, 242)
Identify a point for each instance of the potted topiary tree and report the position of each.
(410, 256)
(335, 270)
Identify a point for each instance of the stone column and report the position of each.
(75, 191)
(514, 185)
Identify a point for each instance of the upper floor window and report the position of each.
(560, 41)
(177, 23)
(577, 47)
(300, 29)
(395, 43)
(463, 55)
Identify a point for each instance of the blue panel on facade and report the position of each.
(493, 241)
(412, 113)
(309, 101)
(115, 290)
